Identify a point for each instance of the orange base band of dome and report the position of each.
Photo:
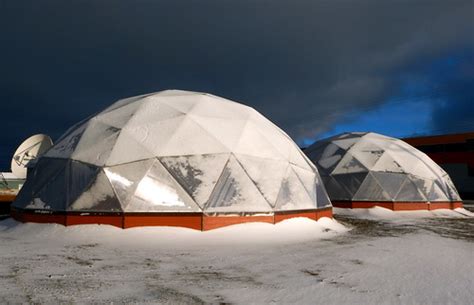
(398, 206)
(7, 198)
(197, 221)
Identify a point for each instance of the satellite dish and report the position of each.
(30, 149)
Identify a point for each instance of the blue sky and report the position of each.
(397, 118)
(421, 95)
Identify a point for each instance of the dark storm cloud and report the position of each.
(455, 90)
(304, 64)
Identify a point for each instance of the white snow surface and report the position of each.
(378, 213)
(297, 261)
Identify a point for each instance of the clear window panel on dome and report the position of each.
(351, 182)
(158, 191)
(437, 193)
(293, 195)
(409, 192)
(322, 198)
(423, 185)
(98, 197)
(45, 170)
(371, 190)
(235, 192)
(348, 165)
(452, 192)
(266, 174)
(390, 182)
(81, 176)
(197, 174)
(124, 178)
(24, 195)
(53, 195)
(309, 180)
(334, 189)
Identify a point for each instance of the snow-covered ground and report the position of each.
(367, 257)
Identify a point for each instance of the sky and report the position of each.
(315, 68)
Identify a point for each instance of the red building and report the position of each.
(455, 154)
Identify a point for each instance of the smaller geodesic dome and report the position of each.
(366, 169)
(175, 158)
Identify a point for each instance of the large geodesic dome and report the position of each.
(173, 158)
(366, 169)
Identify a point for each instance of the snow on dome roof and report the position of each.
(373, 167)
(174, 151)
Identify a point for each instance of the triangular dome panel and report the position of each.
(151, 112)
(124, 178)
(390, 182)
(293, 195)
(349, 165)
(96, 143)
(128, 149)
(206, 108)
(253, 143)
(386, 163)
(158, 191)
(67, 144)
(120, 117)
(98, 197)
(48, 197)
(371, 190)
(409, 192)
(189, 138)
(266, 174)
(309, 180)
(366, 152)
(183, 103)
(197, 174)
(235, 192)
(351, 182)
(227, 131)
